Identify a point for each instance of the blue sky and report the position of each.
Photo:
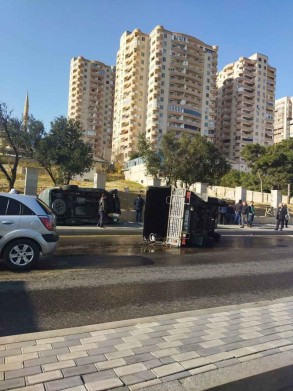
(39, 37)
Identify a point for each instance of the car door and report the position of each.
(9, 215)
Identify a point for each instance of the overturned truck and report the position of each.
(75, 205)
(178, 217)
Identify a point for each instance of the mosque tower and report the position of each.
(25, 112)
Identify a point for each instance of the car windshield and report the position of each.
(44, 206)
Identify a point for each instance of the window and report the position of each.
(13, 208)
(25, 211)
(3, 205)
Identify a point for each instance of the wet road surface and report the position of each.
(98, 279)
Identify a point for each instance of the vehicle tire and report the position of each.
(59, 207)
(21, 254)
(70, 187)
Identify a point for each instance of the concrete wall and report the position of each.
(137, 173)
(229, 193)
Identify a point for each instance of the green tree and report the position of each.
(199, 160)
(251, 154)
(188, 158)
(277, 163)
(233, 178)
(16, 142)
(273, 165)
(63, 153)
(150, 156)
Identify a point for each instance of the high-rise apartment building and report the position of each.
(91, 99)
(283, 123)
(130, 92)
(245, 109)
(164, 81)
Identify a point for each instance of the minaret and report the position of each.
(25, 112)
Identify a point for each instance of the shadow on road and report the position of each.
(61, 308)
(17, 313)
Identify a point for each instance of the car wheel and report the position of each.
(21, 254)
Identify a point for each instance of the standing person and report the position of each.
(138, 206)
(251, 213)
(281, 213)
(102, 210)
(244, 214)
(287, 216)
(230, 214)
(238, 208)
(223, 214)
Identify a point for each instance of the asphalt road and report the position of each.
(99, 279)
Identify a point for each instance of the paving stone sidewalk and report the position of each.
(138, 353)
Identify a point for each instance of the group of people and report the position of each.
(243, 214)
(240, 213)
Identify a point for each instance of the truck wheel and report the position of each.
(21, 254)
(59, 207)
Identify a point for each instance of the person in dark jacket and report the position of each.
(231, 214)
(281, 213)
(251, 213)
(244, 214)
(287, 216)
(138, 206)
(238, 208)
(102, 210)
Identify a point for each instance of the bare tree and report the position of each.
(9, 146)
(16, 142)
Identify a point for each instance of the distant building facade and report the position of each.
(164, 81)
(245, 106)
(91, 100)
(283, 122)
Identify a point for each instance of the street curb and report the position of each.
(267, 229)
(270, 373)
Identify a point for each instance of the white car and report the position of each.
(27, 229)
